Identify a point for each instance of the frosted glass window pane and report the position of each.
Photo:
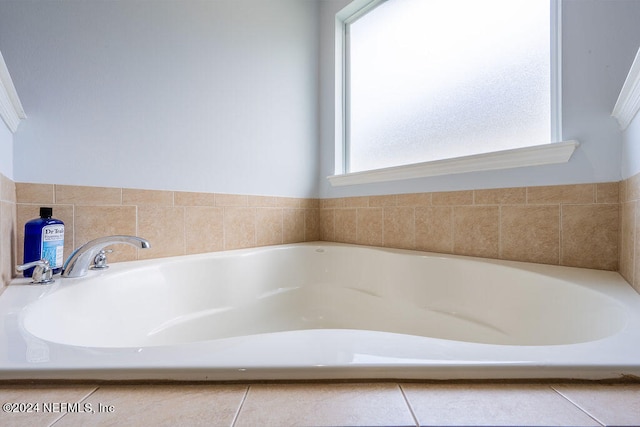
(435, 79)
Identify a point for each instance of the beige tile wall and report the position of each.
(630, 230)
(176, 223)
(8, 233)
(573, 225)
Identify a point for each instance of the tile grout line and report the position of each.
(184, 229)
(561, 234)
(500, 244)
(633, 244)
(224, 228)
(79, 401)
(237, 415)
(406, 400)
(578, 406)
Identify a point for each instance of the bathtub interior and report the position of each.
(288, 288)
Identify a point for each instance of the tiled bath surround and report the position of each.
(8, 226)
(176, 223)
(572, 225)
(586, 225)
(630, 230)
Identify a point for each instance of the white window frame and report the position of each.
(551, 152)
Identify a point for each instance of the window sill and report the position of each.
(559, 152)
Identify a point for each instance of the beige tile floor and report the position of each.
(322, 404)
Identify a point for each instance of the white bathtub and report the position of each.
(321, 310)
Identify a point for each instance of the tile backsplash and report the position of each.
(8, 227)
(176, 223)
(630, 230)
(585, 225)
(572, 225)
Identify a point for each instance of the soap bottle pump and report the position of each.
(44, 239)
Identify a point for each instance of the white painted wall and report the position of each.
(196, 95)
(600, 39)
(222, 96)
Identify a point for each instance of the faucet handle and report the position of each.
(100, 260)
(42, 273)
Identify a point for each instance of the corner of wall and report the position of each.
(8, 230)
(629, 251)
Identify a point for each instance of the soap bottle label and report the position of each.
(53, 244)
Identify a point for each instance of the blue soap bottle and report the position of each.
(44, 239)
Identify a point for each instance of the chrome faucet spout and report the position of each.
(78, 263)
